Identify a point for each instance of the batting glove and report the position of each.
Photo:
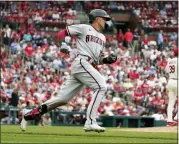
(110, 59)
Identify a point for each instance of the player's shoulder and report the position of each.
(172, 60)
(84, 25)
(77, 25)
(176, 59)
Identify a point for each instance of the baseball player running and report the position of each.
(91, 45)
(172, 69)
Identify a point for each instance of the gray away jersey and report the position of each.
(89, 41)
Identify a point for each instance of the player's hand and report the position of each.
(112, 58)
(64, 49)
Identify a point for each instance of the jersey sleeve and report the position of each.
(167, 68)
(75, 30)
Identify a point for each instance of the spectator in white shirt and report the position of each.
(53, 46)
(56, 63)
(82, 101)
(108, 108)
(158, 116)
(38, 18)
(55, 16)
(153, 56)
(168, 6)
(120, 7)
(7, 34)
(136, 12)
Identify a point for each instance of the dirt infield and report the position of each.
(153, 129)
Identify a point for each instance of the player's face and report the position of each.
(101, 22)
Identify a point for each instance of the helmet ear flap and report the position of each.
(106, 26)
(91, 19)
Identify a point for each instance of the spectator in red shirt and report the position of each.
(31, 29)
(16, 36)
(11, 18)
(138, 95)
(48, 95)
(3, 53)
(22, 31)
(101, 109)
(133, 74)
(128, 38)
(155, 101)
(145, 87)
(120, 36)
(163, 63)
(29, 51)
(145, 40)
(17, 64)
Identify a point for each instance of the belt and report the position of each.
(90, 60)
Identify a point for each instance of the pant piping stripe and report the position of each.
(97, 92)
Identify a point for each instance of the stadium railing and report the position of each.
(107, 121)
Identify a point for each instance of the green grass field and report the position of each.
(64, 134)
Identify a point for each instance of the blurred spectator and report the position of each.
(45, 120)
(37, 18)
(121, 7)
(120, 37)
(136, 12)
(160, 40)
(136, 38)
(7, 35)
(29, 51)
(128, 37)
(27, 37)
(158, 116)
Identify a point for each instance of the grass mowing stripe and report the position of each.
(68, 139)
(17, 143)
(65, 134)
(83, 135)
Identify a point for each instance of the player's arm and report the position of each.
(62, 34)
(167, 69)
(72, 30)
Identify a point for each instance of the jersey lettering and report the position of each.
(97, 40)
(87, 38)
(91, 38)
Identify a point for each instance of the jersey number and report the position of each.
(172, 68)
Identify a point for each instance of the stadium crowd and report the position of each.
(150, 14)
(33, 68)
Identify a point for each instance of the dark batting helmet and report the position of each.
(98, 13)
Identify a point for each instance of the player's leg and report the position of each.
(176, 117)
(93, 79)
(69, 89)
(175, 112)
(171, 101)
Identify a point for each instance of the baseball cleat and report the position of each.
(171, 124)
(94, 127)
(175, 121)
(24, 123)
